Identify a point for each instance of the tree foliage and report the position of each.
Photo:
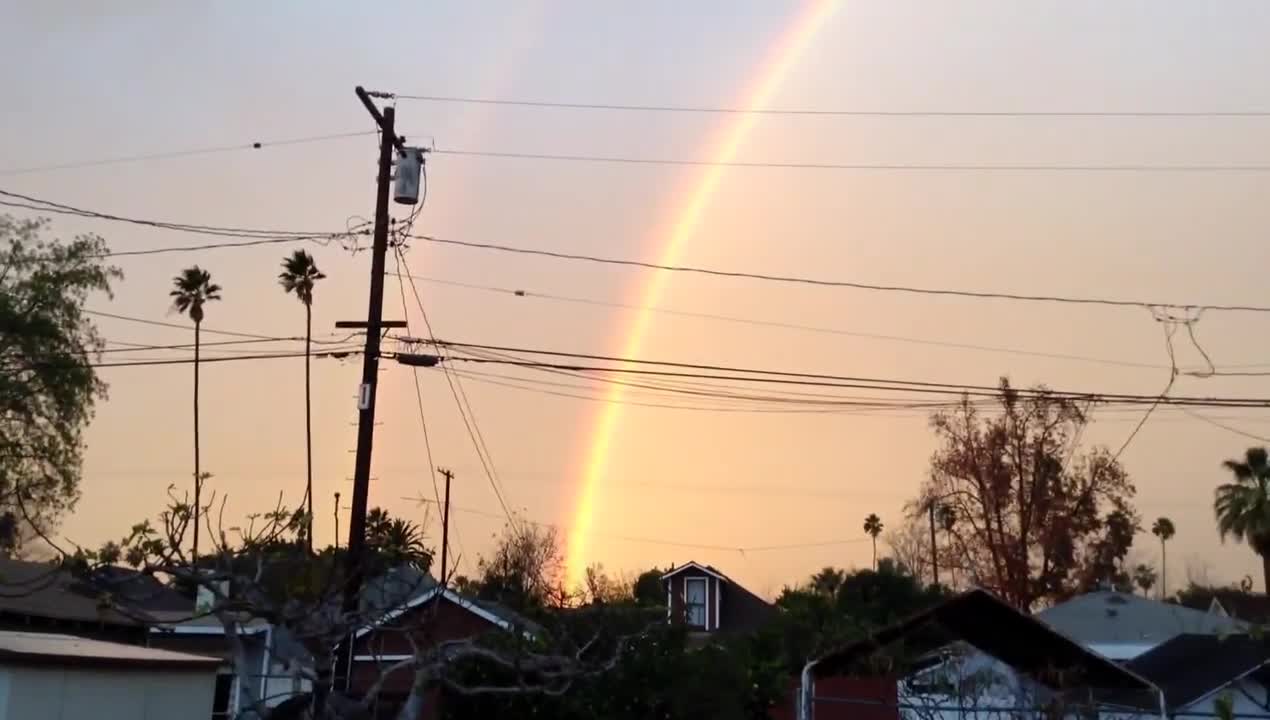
(523, 572)
(47, 387)
(648, 589)
(1035, 519)
(1243, 506)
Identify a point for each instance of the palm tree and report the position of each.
(1144, 576)
(299, 274)
(1163, 529)
(827, 581)
(1243, 506)
(192, 289)
(873, 526)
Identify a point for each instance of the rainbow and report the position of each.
(783, 57)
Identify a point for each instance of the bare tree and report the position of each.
(263, 572)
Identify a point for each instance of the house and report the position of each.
(46, 675)
(1230, 602)
(968, 656)
(432, 615)
(280, 660)
(1122, 626)
(115, 605)
(708, 601)
(1196, 672)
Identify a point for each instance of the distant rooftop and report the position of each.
(1114, 617)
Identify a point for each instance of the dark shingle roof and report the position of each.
(985, 622)
(1191, 666)
(46, 590)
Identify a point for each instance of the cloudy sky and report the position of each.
(87, 81)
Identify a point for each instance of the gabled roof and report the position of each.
(693, 565)
(1113, 617)
(1246, 606)
(493, 614)
(1190, 667)
(992, 626)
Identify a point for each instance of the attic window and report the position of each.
(695, 602)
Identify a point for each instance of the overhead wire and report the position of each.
(1126, 168)
(517, 292)
(423, 421)
(212, 331)
(150, 362)
(668, 543)
(785, 377)
(460, 399)
(174, 154)
(251, 233)
(820, 282)
(823, 112)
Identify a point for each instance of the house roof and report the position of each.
(1247, 606)
(1190, 666)
(1111, 617)
(992, 626)
(490, 612)
(49, 648)
(740, 610)
(693, 565)
(45, 590)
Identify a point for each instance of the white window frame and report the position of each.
(705, 602)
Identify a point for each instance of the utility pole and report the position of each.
(354, 560)
(934, 553)
(445, 527)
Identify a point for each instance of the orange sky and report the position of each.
(102, 83)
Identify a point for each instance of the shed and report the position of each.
(65, 677)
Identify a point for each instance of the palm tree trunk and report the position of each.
(1164, 570)
(875, 553)
(308, 427)
(198, 476)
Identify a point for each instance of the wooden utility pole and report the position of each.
(354, 561)
(445, 528)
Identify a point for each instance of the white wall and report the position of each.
(73, 694)
(1239, 692)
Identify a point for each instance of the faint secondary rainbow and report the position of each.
(783, 56)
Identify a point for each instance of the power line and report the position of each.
(792, 279)
(738, 374)
(515, 292)
(252, 236)
(149, 362)
(667, 543)
(212, 331)
(173, 154)
(460, 398)
(1128, 168)
(1224, 426)
(708, 110)
(291, 235)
